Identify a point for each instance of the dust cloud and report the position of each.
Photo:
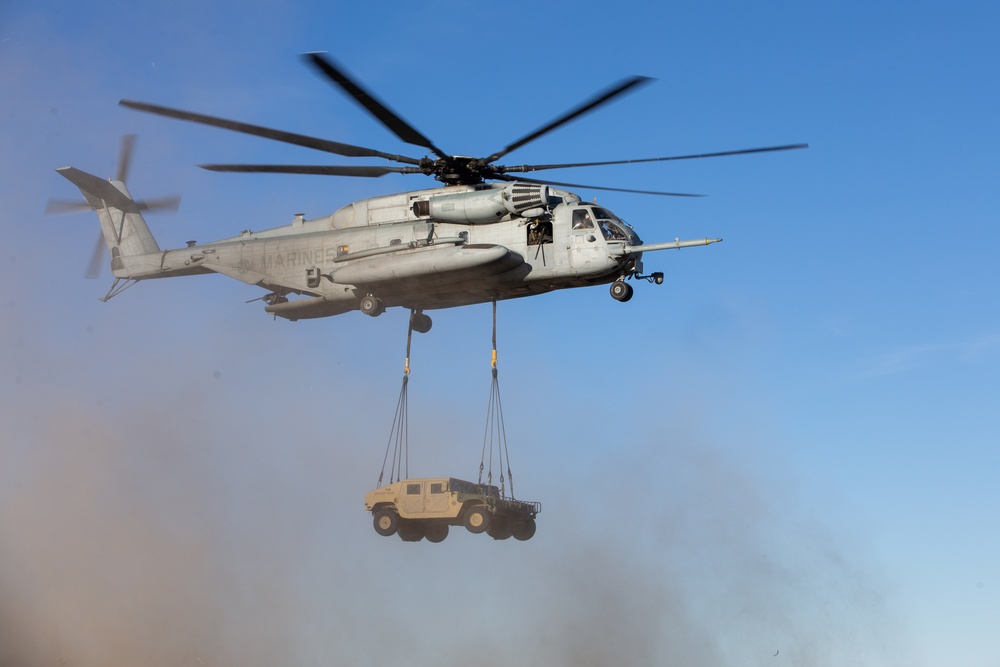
(114, 553)
(132, 541)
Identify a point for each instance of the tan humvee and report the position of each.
(418, 508)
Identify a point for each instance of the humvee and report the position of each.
(419, 508)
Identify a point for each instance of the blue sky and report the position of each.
(785, 454)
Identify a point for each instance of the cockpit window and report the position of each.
(602, 214)
(612, 231)
(582, 219)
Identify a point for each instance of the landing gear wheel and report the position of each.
(524, 529)
(477, 519)
(372, 306)
(410, 531)
(500, 528)
(621, 291)
(436, 532)
(386, 522)
(420, 323)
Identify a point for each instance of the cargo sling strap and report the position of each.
(399, 433)
(495, 434)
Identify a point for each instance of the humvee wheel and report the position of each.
(410, 531)
(436, 532)
(500, 528)
(524, 529)
(386, 522)
(477, 519)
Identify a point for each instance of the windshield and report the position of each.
(612, 230)
(611, 227)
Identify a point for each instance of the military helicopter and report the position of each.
(484, 236)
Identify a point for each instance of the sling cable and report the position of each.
(399, 433)
(495, 434)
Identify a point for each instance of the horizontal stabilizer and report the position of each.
(98, 191)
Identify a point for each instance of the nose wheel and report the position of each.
(621, 291)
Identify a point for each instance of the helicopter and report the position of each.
(483, 235)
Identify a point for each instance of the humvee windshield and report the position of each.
(461, 486)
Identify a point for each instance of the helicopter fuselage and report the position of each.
(483, 236)
(423, 250)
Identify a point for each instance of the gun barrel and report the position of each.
(676, 243)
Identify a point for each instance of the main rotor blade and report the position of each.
(382, 113)
(602, 98)
(501, 177)
(125, 157)
(277, 135)
(316, 169)
(538, 167)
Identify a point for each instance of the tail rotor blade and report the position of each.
(125, 157)
(96, 260)
(166, 204)
(64, 207)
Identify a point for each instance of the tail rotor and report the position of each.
(126, 149)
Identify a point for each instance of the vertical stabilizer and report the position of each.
(122, 225)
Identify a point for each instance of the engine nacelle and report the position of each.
(486, 206)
